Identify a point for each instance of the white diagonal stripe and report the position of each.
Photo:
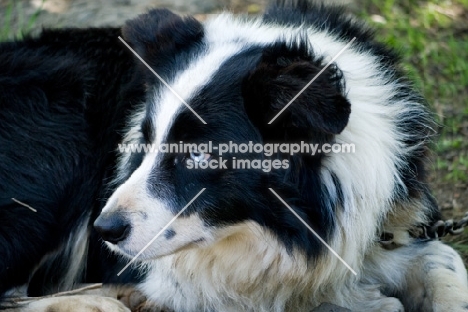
(159, 233)
(24, 204)
(313, 232)
(162, 80)
(313, 79)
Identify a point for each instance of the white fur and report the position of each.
(78, 248)
(243, 267)
(187, 83)
(367, 176)
(250, 270)
(148, 216)
(133, 192)
(133, 135)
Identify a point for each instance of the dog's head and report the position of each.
(234, 83)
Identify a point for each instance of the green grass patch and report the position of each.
(431, 36)
(432, 39)
(15, 22)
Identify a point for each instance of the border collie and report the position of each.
(241, 244)
(313, 228)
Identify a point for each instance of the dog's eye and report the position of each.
(199, 156)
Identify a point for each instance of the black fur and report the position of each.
(260, 81)
(63, 99)
(336, 21)
(66, 95)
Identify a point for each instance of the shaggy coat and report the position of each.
(226, 239)
(237, 246)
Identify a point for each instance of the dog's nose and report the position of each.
(112, 227)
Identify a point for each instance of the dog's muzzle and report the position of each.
(112, 227)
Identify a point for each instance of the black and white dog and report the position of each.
(230, 239)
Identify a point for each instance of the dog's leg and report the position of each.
(90, 298)
(79, 303)
(437, 281)
(365, 297)
(134, 299)
(426, 276)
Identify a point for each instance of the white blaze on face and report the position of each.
(187, 84)
(148, 213)
(225, 37)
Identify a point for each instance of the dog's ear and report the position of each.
(160, 31)
(281, 74)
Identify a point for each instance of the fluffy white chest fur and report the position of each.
(238, 248)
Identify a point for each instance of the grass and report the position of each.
(15, 23)
(432, 38)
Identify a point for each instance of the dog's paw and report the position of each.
(148, 307)
(392, 305)
(137, 302)
(454, 305)
(131, 297)
(78, 303)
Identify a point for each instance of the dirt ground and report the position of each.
(88, 13)
(452, 198)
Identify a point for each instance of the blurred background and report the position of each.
(431, 36)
